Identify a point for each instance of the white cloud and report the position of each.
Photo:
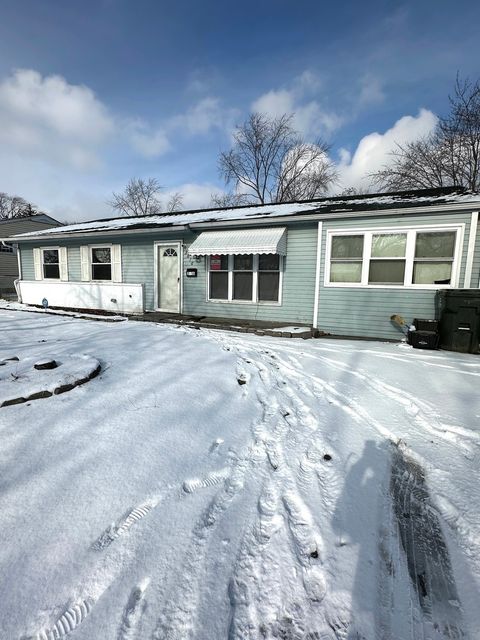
(201, 118)
(371, 91)
(275, 103)
(52, 120)
(205, 116)
(145, 141)
(309, 116)
(372, 152)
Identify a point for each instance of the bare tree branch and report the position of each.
(139, 198)
(270, 162)
(226, 200)
(450, 156)
(15, 207)
(175, 202)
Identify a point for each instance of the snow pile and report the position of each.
(333, 494)
(291, 329)
(31, 378)
(18, 306)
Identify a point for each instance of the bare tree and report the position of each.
(15, 207)
(226, 200)
(175, 202)
(270, 162)
(354, 191)
(461, 132)
(449, 156)
(139, 198)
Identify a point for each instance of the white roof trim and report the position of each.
(239, 241)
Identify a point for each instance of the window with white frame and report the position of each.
(51, 264)
(244, 278)
(101, 263)
(420, 257)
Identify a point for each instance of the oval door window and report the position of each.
(169, 253)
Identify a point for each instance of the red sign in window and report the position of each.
(215, 263)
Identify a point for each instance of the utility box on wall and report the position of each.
(460, 320)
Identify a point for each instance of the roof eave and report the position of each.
(93, 233)
(451, 207)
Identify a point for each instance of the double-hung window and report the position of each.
(434, 254)
(244, 278)
(51, 264)
(422, 257)
(387, 258)
(101, 261)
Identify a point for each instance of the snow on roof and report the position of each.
(340, 204)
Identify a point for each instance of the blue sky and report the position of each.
(93, 93)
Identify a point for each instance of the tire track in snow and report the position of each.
(423, 413)
(425, 550)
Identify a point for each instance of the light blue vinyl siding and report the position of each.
(366, 312)
(73, 258)
(138, 267)
(298, 285)
(348, 311)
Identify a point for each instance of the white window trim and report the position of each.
(253, 301)
(411, 232)
(103, 245)
(42, 263)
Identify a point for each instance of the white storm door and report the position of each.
(168, 277)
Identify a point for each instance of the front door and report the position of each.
(168, 277)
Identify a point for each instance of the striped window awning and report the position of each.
(240, 241)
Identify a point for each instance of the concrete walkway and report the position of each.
(259, 327)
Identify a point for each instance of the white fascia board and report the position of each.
(97, 233)
(340, 215)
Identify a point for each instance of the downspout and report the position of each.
(16, 282)
(317, 275)
(472, 237)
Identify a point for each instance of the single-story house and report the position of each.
(343, 265)
(9, 270)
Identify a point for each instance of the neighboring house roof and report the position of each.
(15, 226)
(340, 206)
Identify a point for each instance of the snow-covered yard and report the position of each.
(214, 485)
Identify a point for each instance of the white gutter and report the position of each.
(317, 275)
(337, 215)
(96, 233)
(472, 237)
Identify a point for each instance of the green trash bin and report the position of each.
(459, 311)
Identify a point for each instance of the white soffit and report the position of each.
(240, 241)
